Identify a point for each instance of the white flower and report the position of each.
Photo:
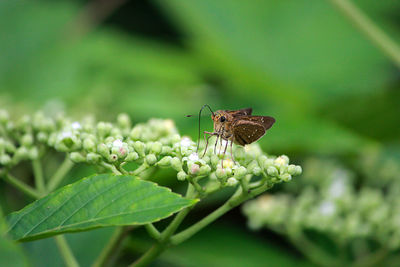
(337, 188)
(76, 125)
(327, 208)
(232, 181)
(185, 142)
(117, 143)
(64, 135)
(193, 157)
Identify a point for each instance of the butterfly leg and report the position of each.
(226, 146)
(232, 152)
(206, 140)
(215, 146)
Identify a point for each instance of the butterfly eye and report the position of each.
(222, 119)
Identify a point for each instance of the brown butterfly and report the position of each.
(237, 126)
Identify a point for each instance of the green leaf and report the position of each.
(11, 254)
(97, 201)
(233, 247)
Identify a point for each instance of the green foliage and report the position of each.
(97, 201)
(334, 95)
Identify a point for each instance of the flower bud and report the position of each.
(151, 159)
(51, 141)
(176, 164)
(256, 171)
(294, 170)
(112, 158)
(5, 159)
(4, 117)
(156, 148)
(27, 140)
(266, 162)
(214, 160)
(281, 160)
(89, 145)
(67, 141)
(272, 171)
(240, 153)
(166, 150)
(123, 120)
(119, 148)
(21, 153)
(165, 161)
(221, 173)
(136, 133)
(139, 148)
(181, 176)
(33, 153)
(240, 172)
(232, 181)
(103, 150)
(42, 137)
(175, 138)
(116, 132)
(93, 158)
(194, 169)
(2, 143)
(77, 157)
(9, 147)
(104, 128)
(286, 177)
(132, 156)
(10, 126)
(204, 170)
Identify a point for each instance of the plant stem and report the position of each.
(112, 168)
(112, 245)
(152, 230)
(234, 201)
(120, 232)
(373, 259)
(62, 244)
(38, 173)
(21, 186)
(371, 30)
(140, 169)
(66, 252)
(311, 251)
(59, 175)
(163, 243)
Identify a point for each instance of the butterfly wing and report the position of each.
(249, 129)
(240, 112)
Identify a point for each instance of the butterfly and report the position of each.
(237, 126)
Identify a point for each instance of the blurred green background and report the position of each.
(333, 93)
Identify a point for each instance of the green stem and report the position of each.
(140, 169)
(122, 170)
(112, 245)
(152, 230)
(21, 186)
(373, 259)
(371, 30)
(120, 233)
(311, 251)
(59, 175)
(38, 173)
(163, 243)
(66, 252)
(112, 168)
(234, 201)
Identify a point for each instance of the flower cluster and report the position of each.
(331, 200)
(152, 144)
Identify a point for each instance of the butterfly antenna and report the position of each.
(198, 139)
